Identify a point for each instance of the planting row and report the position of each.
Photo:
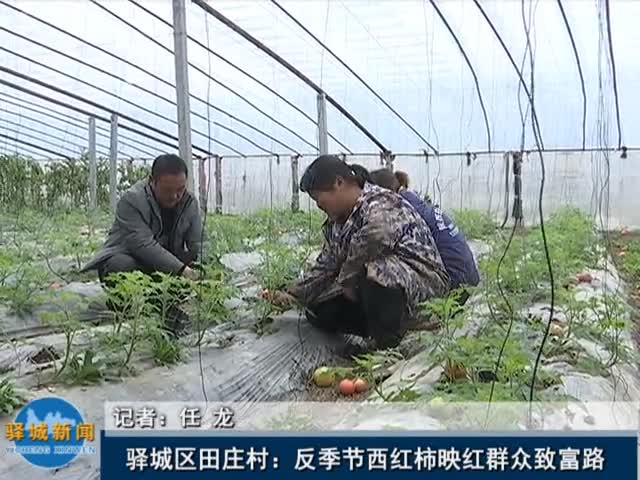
(41, 253)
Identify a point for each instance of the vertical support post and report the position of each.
(323, 136)
(507, 171)
(295, 187)
(93, 167)
(426, 162)
(202, 179)
(113, 163)
(517, 188)
(182, 87)
(218, 178)
(387, 160)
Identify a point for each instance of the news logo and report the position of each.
(50, 433)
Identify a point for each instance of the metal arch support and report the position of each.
(218, 182)
(295, 186)
(257, 43)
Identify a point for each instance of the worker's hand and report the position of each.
(279, 298)
(350, 294)
(198, 267)
(190, 273)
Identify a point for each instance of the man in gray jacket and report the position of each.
(157, 226)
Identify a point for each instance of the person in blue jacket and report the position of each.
(453, 247)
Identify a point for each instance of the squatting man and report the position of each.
(157, 228)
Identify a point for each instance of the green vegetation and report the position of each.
(628, 257)
(10, 397)
(210, 296)
(469, 361)
(232, 233)
(44, 249)
(474, 223)
(524, 275)
(65, 317)
(44, 242)
(64, 184)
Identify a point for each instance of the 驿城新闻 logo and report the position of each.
(50, 432)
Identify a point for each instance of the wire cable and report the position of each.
(102, 147)
(258, 44)
(471, 69)
(38, 147)
(380, 46)
(36, 155)
(88, 102)
(137, 105)
(525, 115)
(350, 70)
(20, 133)
(201, 71)
(519, 73)
(75, 122)
(84, 112)
(509, 308)
(539, 145)
(613, 70)
(47, 135)
(205, 209)
(102, 107)
(527, 26)
(123, 60)
(430, 123)
(244, 72)
(326, 30)
(602, 136)
(430, 58)
(582, 85)
(150, 92)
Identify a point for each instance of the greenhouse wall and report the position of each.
(600, 184)
(577, 178)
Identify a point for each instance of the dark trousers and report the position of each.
(379, 313)
(120, 263)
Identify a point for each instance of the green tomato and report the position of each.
(324, 377)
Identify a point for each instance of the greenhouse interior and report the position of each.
(515, 118)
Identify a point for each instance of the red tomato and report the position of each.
(347, 387)
(585, 277)
(360, 385)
